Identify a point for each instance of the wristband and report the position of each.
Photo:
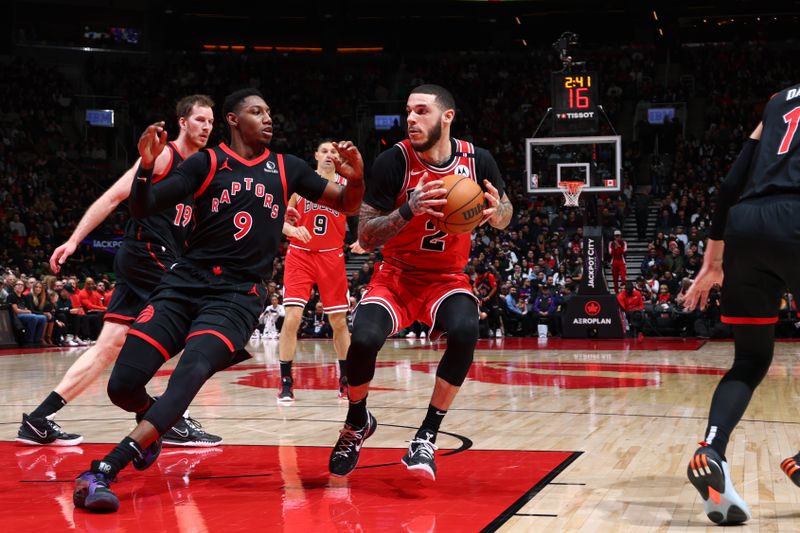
(405, 212)
(144, 173)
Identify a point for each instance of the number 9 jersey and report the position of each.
(395, 175)
(326, 226)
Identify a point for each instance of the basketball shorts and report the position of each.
(191, 301)
(761, 258)
(413, 295)
(303, 268)
(138, 271)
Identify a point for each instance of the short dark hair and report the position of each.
(444, 98)
(232, 101)
(183, 109)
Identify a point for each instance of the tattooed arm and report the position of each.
(376, 227)
(499, 212)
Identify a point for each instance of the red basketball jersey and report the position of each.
(419, 245)
(326, 226)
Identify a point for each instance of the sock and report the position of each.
(286, 369)
(140, 414)
(119, 458)
(342, 368)
(357, 413)
(430, 426)
(717, 438)
(50, 405)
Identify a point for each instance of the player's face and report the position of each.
(198, 125)
(325, 156)
(425, 121)
(253, 121)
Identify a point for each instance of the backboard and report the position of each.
(597, 161)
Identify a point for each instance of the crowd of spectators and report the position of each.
(51, 168)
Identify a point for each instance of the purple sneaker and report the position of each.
(92, 491)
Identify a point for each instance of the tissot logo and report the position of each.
(592, 308)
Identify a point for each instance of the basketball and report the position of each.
(464, 208)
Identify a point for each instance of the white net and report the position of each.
(572, 192)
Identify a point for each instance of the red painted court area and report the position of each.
(270, 488)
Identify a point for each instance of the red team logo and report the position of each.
(146, 314)
(592, 308)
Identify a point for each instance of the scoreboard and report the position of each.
(574, 102)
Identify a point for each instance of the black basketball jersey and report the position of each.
(164, 232)
(239, 207)
(776, 165)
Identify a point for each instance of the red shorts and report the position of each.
(303, 268)
(410, 296)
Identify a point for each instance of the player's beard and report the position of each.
(433, 137)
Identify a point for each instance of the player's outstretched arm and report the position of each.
(375, 227)
(98, 212)
(346, 199)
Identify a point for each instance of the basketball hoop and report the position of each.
(572, 192)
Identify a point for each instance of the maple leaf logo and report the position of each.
(592, 308)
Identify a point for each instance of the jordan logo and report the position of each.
(253, 290)
(225, 165)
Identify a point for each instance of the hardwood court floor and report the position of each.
(550, 436)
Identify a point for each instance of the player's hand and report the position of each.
(292, 216)
(357, 249)
(427, 196)
(300, 233)
(60, 256)
(151, 143)
(492, 196)
(697, 295)
(349, 163)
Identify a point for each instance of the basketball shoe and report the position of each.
(188, 432)
(44, 432)
(344, 456)
(791, 468)
(711, 476)
(286, 394)
(93, 492)
(419, 457)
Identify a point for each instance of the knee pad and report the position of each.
(365, 342)
(126, 388)
(457, 358)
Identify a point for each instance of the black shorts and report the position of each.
(138, 269)
(191, 302)
(761, 259)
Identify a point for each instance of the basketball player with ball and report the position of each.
(424, 196)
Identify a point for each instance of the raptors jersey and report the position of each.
(419, 245)
(326, 226)
(164, 232)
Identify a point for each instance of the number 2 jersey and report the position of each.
(326, 226)
(419, 245)
(239, 206)
(163, 234)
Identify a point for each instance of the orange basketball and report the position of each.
(464, 208)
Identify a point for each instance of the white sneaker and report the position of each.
(498, 333)
(711, 476)
(422, 335)
(411, 335)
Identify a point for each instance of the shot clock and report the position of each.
(574, 102)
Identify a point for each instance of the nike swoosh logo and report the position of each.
(416, 172)
(141, 178)
(441, 413)
(184, 433)
(42, 435)
(136, 449)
